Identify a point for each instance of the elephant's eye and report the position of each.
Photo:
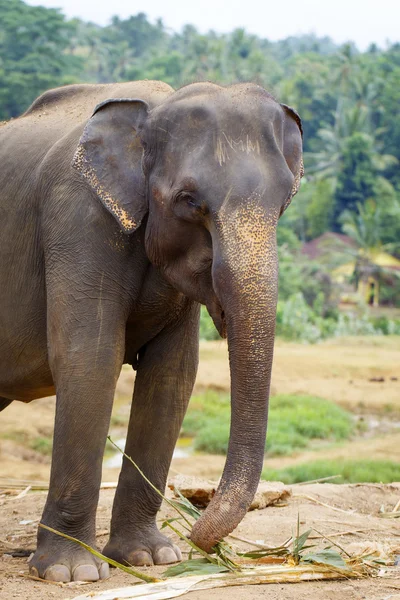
(188, 198)
(188, 207)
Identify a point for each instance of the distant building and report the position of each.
(368, 271)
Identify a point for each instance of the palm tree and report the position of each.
(326, 162)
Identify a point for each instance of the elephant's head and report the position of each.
(218, 167)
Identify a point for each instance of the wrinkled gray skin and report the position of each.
(113, 228)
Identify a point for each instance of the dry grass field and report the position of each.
(340, 369)
(360, 374)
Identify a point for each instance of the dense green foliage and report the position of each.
(349, 471)
(297, 320)
(348, 100)
(294, 421)
(207, 329)
(35, 54)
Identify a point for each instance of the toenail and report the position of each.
(85, 573)
(141, 558)
(58, 573)
(164, 556)
(104, 571)
(177, 552)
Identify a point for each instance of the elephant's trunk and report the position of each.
(245, 274)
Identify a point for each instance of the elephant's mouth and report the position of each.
(218, 316)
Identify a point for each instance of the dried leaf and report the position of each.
(164, 590)
(171, 588)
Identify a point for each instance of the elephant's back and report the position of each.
(57, 112)
(57, 115)
(74, 104)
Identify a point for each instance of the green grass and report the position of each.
(44, 445)
(350, 471)
(294, 421)
(18, 436)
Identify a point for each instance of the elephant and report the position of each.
(124, 208)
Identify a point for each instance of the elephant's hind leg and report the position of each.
(164, 382)
(4, 402)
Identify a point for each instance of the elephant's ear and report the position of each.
(109, 156)
(293, 148)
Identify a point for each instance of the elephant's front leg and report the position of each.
(86, 347)
(164, 382)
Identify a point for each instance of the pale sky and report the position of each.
(361, 21)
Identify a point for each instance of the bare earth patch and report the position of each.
(273, 525)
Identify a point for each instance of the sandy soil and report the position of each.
(361, 503)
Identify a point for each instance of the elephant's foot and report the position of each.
(62, 561)
(145, 548)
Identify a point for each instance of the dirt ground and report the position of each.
(357, 519)
(361, 374)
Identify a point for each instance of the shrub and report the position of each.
(350, 324)
(386, 326)
(294, 421)
(213, 438)
(296, 320)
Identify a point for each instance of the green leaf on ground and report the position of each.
(327, 557)
(195, 566)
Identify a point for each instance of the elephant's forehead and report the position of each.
(223, 130)
(225, 110)
(227, 146)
